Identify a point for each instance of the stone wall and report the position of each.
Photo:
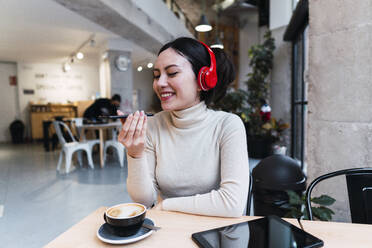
(340, 93)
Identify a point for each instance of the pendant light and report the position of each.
(203, 25)
(218, 43)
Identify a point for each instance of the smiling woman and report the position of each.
(188, 158)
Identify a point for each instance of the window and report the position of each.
(296, 33)
(299, 97)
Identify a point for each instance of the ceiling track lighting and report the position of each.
(144, 64)
(77, 53)
(66, 67)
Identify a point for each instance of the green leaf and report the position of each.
(321, 213)
(327, 210)
(323, 200)
(294, 198)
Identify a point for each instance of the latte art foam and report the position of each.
(123, 211)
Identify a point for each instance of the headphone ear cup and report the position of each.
(202, 78)
(210, 80)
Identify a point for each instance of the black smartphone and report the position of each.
(115, 117)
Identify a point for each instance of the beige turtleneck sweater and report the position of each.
(197, 160)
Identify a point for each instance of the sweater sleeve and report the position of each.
(230, 199)
(141, 182)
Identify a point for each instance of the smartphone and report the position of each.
(115, 117)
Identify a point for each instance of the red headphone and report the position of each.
(207, 76)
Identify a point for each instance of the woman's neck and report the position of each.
(189, 117)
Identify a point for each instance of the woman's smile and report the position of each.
(165, 96)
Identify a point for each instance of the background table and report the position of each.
(176, 230)
(100, 128)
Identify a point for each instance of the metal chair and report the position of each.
(68, 148)
(78, 122)
(114, 143)
(249, 198)
(359, 187)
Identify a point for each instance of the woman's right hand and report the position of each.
(132, 134)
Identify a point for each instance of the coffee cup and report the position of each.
(125, 219)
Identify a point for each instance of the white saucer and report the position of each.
(105, 234)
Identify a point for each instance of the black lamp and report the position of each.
(203, 25)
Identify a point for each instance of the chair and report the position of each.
(68, 148)
(359, 187)
(120, 149)
(249, 198)
(78, 122)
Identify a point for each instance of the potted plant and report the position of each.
(296, 207)
(252, 104)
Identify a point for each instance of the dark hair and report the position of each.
(116, 97)
(198, 57)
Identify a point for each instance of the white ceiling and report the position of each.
(44, 31)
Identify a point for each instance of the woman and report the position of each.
(195, 158)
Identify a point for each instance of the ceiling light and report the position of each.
(139, 68)
(217, 43)
(80, 55)
(150, 65)
(203, 25)
(66, 67)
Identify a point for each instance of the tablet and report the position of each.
(267, 232)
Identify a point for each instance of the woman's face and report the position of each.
(174, 81)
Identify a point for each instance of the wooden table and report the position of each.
(100, 128)
(176, 230)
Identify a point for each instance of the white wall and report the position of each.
(8, 96)
(51, 84)
(280, 13)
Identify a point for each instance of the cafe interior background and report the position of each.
(320, 84)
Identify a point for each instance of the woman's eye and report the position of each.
(172, 74)
(156, 76)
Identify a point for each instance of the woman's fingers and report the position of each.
(144, 128)
(132, 134)
(120, 113)
(124, 130)
(139, 126)
(133, 125)
(127, 124)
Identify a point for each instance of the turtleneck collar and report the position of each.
(190, 117)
